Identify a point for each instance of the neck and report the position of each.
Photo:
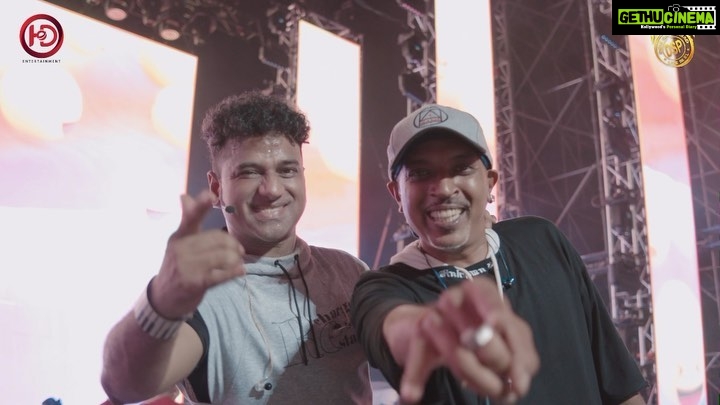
(270, 249)
(456, 257)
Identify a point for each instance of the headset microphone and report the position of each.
(230, 209)
(265, 384)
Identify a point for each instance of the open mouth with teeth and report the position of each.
(269, 212)
(448, 216)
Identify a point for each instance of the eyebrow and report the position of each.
(252, 165)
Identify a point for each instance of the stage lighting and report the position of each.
(620, 138)
(280, 18)
(169, 30)
(170, 23)
(412, 45)
(117, 10)
(412, 86)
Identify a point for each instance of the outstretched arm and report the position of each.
(138, 365)
(447, 333)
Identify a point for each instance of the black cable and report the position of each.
(307, 306)
(303, 351)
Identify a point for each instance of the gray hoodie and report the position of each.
(256, 340)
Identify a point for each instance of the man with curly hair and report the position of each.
(249, 314)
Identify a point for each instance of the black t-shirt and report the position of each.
(583, 360)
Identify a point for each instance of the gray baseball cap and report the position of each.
(429, 118)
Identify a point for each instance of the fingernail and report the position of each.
(410, 394)
(522, 381)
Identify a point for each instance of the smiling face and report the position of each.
(262, 177)
(443, 189)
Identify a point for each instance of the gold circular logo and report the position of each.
(674, 50)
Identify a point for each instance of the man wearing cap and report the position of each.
(468, 314)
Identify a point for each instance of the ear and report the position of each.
(214, 186)
(393, 188)
(493, 178)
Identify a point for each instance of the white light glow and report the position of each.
(465, 64)
(677, 318)
(93, 158)
(328, 91)
(41, 114)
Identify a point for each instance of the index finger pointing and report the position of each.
(421, 360)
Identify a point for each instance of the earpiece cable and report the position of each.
(269, 363)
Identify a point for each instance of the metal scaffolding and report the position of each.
(279, 49)
(545, 131)
(623, 196)
(583, 174)
(417, 46)
(417, 83)
(509, 189)
(279, 44)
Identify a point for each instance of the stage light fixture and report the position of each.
(620, 139)
(117, 10)
(170, 23)
(412, 86)
(412, 45)
(279, 18)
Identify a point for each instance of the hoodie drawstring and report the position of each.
(303, 349)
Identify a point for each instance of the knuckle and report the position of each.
(231, 257)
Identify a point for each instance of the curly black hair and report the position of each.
(252, 114)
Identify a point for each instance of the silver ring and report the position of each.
(478, 338)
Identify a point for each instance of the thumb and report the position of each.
(193, 212)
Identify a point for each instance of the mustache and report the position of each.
(447, 203)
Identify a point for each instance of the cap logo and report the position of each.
(430, 116)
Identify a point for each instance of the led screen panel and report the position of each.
(464, 64)
(328, 92)
(673, 264)
(94, 143)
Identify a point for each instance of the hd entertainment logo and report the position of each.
(41, 36)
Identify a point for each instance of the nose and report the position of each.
(443, 186)
(271, 186)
